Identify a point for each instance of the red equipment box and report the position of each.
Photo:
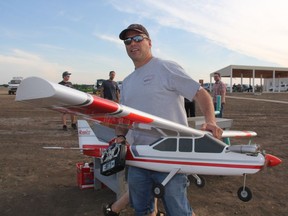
(85, 175)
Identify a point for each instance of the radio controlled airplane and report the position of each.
(180, 149)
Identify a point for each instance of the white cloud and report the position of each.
(256, 28)
(21, 63)
(109, 38)
(50, 47)
(25, 64)
(69, 16)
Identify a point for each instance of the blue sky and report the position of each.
(44, 38)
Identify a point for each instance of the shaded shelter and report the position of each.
(252, 72)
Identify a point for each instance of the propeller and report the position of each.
(271, 160)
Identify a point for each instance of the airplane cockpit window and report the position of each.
(209, 144)
(185, 145)
(169, 144)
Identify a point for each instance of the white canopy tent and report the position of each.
(252, 72)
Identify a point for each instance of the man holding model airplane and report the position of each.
(158, 87)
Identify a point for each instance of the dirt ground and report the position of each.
(34, 181)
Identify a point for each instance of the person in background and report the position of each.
(67, 83)
(219, 88)
(234, 87)
(109, 88)
(190, 108)
(154, 84)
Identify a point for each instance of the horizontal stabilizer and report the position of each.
(88, 140)
(66, 148)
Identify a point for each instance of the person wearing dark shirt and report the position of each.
(190, 108)
(110, 89)
(67, 83)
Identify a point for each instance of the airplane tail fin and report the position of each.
(88, 142)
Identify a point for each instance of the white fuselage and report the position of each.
(204, 163)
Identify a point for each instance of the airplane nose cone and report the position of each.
(272, 160)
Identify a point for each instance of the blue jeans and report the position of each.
(141, 181)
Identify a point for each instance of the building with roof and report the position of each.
(269, 77)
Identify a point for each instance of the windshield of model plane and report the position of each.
(205, 144)
(209, 144)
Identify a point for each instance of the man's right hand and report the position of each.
(214, 128)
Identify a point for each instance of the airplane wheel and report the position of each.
(244, 194)
(200, 182)
(158, 190)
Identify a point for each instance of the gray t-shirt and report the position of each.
(158, 88)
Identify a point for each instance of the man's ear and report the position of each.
(150, 43)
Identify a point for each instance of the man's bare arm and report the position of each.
(204, 100)
(120, 133)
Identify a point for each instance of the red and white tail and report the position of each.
(88, 142)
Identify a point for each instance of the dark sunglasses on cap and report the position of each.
(137, 38)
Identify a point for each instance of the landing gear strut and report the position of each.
(244, 193)
(199, 180)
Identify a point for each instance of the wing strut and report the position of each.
(170, 176)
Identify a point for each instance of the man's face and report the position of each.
(216, 77)
(138, 51)
(66, 78)
(112, 75)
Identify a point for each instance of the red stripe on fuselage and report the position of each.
(188, 163)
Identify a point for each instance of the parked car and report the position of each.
(119, 83)
(247, 88)
(227, 87)
(283, 88)
(97, 85)
(13, 84)
(242, 88)
(207, 86)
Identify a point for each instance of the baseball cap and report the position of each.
(65, 73)
(133, 27)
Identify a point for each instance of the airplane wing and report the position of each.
(46, 94)
(238, 134)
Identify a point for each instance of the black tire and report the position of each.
(244, 194)
(158, 190)
(200, 183)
